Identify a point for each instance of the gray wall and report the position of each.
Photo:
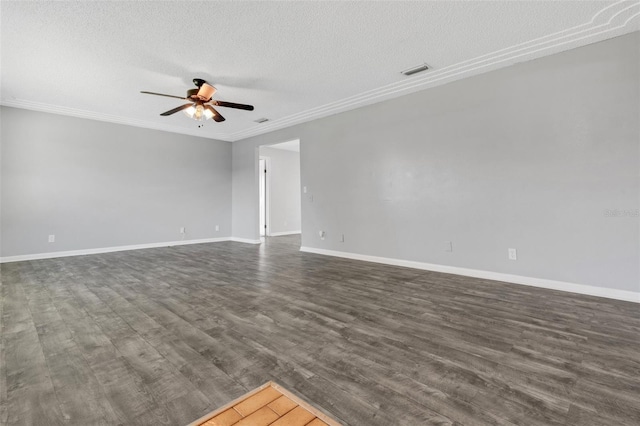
(96, 184)
(529, 156)
(284, 213)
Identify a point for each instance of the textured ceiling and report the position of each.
(294, 61)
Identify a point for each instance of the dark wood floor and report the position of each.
(162, 336)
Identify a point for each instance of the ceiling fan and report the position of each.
(200, 106)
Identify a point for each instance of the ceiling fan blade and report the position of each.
(173, 111)
(232, 105)
(216, 115)
(162, 94)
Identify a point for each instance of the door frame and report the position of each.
(267, 205)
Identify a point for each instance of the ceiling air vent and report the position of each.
(416, 70)
(261, 120)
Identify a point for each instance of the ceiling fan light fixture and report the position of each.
(190, 111)
(198, 112)
(201, 105)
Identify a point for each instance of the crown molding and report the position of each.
(614, 20)
(73, 112)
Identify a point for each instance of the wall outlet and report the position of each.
(448, 246)
(217, 228)
(52, 238)
(342, 238)
(513, 254)
(183, 230)
(322, 234)
(304, 189)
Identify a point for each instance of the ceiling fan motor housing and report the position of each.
(204, 92)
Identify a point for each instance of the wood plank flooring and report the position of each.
(163, 336)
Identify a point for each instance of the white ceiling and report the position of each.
(294, 61)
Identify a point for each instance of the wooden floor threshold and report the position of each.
(268, 405)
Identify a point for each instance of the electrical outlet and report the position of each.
(513, 254)
(217, 228)
(322, 234)
(304, 189)
(52, 238)
(448, 246)
(183, 230)
(342, 238)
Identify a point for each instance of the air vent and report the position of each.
(261, 120)
(416, 70)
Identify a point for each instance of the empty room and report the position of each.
(320, 213)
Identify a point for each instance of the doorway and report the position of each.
(263, 196)
(280, 201)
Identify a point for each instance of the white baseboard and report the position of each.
(628, 296)
(55, 254)
(244, 240)
(280, 234)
